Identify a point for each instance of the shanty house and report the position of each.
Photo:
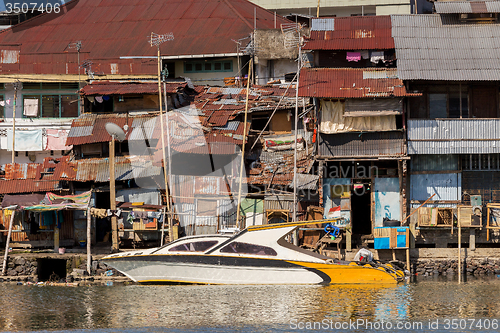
(451, 57)
(361, 133)
(52, 55)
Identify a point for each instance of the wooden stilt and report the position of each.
(89, 240)
(163, 227)
(408, 260)
(7, 243)
(56, 233)
(459, 251)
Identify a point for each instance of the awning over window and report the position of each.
(373, 107)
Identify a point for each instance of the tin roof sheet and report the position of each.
(27, 186)
(119, 29)
(351, 33)
(126, 167)
(429, 47)
(127, 88)
(350, 83)
(90, 128)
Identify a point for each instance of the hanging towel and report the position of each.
(30, 107)
(91, 99)
(97, 212)
(98, 99)
(353, 56)
(47, 218)
(56, 140)
(30, 140)
(2, 103)
(376, 56)
(105, 97)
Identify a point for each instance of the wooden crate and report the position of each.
(445, 217)
(424, 216)
(467, 218)
(391, 237)
(491, 221)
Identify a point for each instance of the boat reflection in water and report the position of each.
(246, 308)
(257, 255)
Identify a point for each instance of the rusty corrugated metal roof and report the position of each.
(127, 88)
(109, 30)
(90, 128)
(27, 186)
(351, 83)
(52, 169)
(354, 33)
(126, 167)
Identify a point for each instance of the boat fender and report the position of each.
(364, 255)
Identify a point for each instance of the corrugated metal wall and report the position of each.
(366, 144)
(434, 162)
(453, 136)
(447, 186)
(195, 224)
(323, 24)
(453, 129)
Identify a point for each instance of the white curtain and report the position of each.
(333, 120)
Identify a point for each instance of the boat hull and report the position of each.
(205, 269)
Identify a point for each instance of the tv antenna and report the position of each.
(78, 46)
(292, 33)
(87, 65)
(157, 40)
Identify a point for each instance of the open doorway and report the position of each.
(361, 208)
(51, 269)
(103, 225)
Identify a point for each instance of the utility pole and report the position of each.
(157, 40)
(16, 86)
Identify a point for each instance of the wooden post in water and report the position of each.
(89, 240)
(7, 243)
(408, 258)
(459, 248)
(163, 228)
(112, 196)
(56, 233)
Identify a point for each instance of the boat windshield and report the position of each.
(201, 246)
(246, 248)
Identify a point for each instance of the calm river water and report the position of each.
(432, 303)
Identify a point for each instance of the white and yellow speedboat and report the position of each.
(256, 255)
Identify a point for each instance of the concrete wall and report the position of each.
(339, 8)
(275, 71)
(209, 78)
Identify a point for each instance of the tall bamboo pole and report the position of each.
(112, 195)
(169, 175)
(242, 165)
(16, 85)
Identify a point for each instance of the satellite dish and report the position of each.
(115, 131)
